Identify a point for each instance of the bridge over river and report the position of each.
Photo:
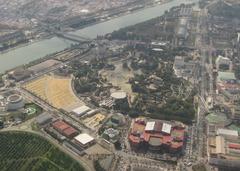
(73, 37)
(39, 49)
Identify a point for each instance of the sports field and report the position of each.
(57, 91)
(216, 118)
(20, 151)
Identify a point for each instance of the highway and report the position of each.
(197, 144)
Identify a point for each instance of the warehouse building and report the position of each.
(223, 152)
(64, 129)
(84, 140)
(227, 133)
(44, 119)
(80, 111)
(19, 74)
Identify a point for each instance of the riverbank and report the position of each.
(39, 49)
(112, 16)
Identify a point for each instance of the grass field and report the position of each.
(54, 90)
(216, 118)
(28, 152)
(32, 110)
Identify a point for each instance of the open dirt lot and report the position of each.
(119, 77)
(57, 91)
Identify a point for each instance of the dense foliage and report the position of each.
(29, 152)
(142, 31)
(85, 78)
(176, 109)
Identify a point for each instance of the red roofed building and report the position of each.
(157, 135)
(70, 132)
(234, 146)
(137, 131)
(158, 126)
(176, 146)
(60, 126)
(64, 128)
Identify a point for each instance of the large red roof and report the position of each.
(175, 140)
(138, 128)
(176, 145)
(69, 131)
(134, 139)
(234, 146)
(64, 128)
(60, 125)
(167, 139)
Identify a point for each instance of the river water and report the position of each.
(26, 54)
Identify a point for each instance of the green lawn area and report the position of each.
(216, 118)
(32, 109)
(234, 127)
(21, 151)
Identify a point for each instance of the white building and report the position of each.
(81, 110)
(150, 126)
(84, 140)
(227, 132)
(166, 128)
(178, 65)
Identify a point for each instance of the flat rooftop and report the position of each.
(81, 110)
(84, 138)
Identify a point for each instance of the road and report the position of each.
(142, 161)
(205, 46)
(197, 148)
(67, 117)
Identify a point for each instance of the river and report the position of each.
(28, 53)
